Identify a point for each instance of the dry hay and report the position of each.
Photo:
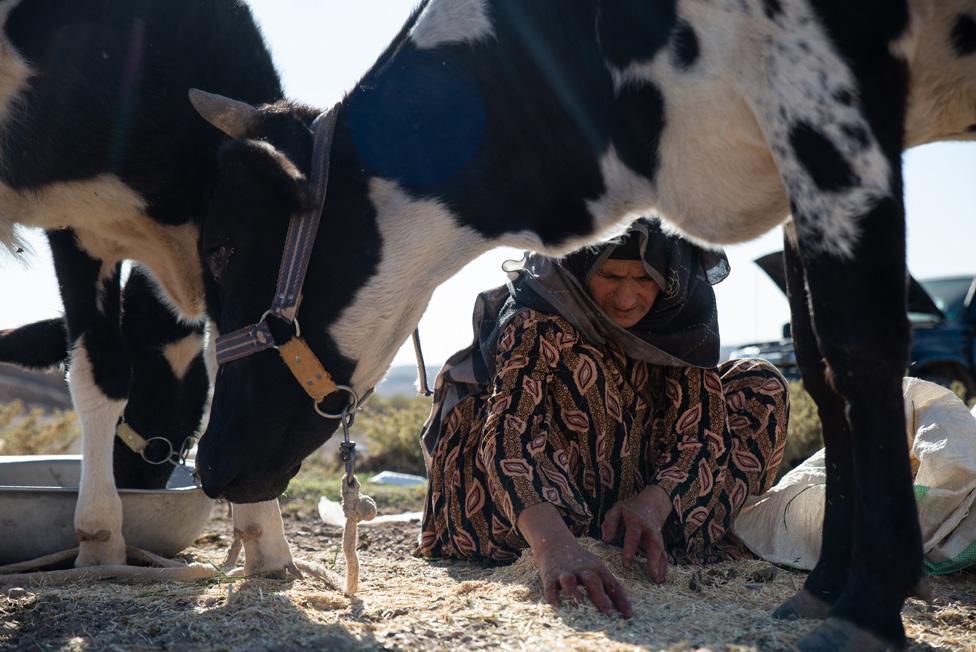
(408, 603)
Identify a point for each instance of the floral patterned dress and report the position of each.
(583, 427)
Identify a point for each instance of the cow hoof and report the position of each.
(276, 574)
(802, 605)
(99, 549)
(836, 635)
(923, 591)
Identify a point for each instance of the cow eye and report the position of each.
(218, 258)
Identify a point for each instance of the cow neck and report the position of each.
(304, 365)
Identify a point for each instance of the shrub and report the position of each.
(392, 428)
(35, 432)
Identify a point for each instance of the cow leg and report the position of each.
(266, 550)
(828, 579)
(857, 303)
(98, 380)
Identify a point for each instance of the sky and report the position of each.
(322, 47)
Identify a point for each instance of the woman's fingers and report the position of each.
(571, 586)
(594, 587)
(657, 558)
(616, 592)
(632, 539)
(611, 523)
(550, 588)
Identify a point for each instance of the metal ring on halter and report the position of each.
(293, 322)
(353, 404)
(168, 459)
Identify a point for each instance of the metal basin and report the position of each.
(37, 506)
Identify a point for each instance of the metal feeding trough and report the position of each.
(37, 505)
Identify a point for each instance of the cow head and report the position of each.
(262, 423)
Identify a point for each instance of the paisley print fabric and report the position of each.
(583, 427)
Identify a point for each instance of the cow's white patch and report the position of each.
(112, 225)
(422, 246)
(445, 22)
(942, 96)
(265, 546)
(99, 508)
(182, 353)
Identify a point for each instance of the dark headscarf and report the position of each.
(681, 329)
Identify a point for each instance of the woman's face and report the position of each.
(624, 290)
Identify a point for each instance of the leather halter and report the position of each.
(295, 352)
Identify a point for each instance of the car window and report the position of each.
(949, 294)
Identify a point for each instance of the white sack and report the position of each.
(784, 524)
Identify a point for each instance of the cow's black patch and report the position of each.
(844, 96)
(684, 46)
(857, 134)
(821, 159)
(972, 129)
(633, 30)
(637, 127)
(964, 35)
(772, 9)
(437, 128)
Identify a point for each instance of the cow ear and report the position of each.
(272, 167)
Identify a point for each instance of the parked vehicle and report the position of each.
(942, 312)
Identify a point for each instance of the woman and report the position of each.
(590, 405)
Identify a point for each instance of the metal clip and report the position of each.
(347, 449)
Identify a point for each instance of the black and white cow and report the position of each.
(169, 381)
(542, 125)
(101, 148)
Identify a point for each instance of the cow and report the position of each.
(170, 384)
(100, 147)
(543, 125)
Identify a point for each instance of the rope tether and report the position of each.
(355, 507)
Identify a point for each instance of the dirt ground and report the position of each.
(406, 603)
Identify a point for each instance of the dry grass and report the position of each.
(408, 603)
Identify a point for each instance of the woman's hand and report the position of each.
(639, 520)
(564, 565)
(567, 566)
